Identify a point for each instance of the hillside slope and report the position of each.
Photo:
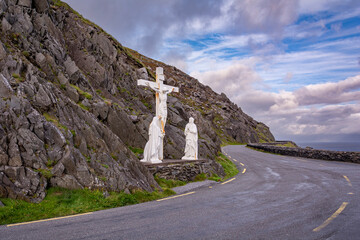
(70, 109)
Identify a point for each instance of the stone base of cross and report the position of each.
(161, 92)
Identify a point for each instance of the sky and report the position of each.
(291, 64)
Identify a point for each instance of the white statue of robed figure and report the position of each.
(191, 147)
(152, 147)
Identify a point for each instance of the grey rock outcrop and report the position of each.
(41, 5)
(70, 109)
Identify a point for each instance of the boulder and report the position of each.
(72, 94)
(5, 88)
(6, 26)
(2, 52)
(66, 181)
(70, 66)
(101, 109)
(40, 59)
(22, 183)
(62, 79)
(41, 6)
(25, 3)
(142, 73)
(42, 99)
(134, 118)
(105, 45)
(14, 152)
(53, 136)
(58, 170)
(4, 158)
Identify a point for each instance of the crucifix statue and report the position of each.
(162, 91)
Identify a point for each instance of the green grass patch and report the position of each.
(215, 178)
(18, 77)
(200, 177)
(229, 167)
(288, 144)
(54, 120)
(146, 104)
(63, 202)
(26, 54)
(45, 172)
(83, 106)
(165, 184)
(50, 118)
(81, 92)
(136, 151)
(226, 143)
(114, 156)
(73, 132)
(105, 165)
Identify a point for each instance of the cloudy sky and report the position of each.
(292, 64)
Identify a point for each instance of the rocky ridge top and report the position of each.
(71, 114)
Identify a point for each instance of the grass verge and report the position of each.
(62, 202)
(288, 144)
(229, 167)
(226, 143)
(166, 184)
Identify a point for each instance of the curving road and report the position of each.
(273, 197)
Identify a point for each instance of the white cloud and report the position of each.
(234, 79)
(329, 93)
(269, 16)
(288, 77)
(318, 109)
(177, 59)
(311, 6)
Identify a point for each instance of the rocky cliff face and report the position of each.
(70, 109)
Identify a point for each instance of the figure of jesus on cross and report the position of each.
(162, 91)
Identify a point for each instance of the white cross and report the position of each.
(161, 97)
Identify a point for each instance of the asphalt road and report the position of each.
(273, 197)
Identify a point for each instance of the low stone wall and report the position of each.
(185, 170)
(309, 153)
(279, 142)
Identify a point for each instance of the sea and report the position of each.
(333, 146)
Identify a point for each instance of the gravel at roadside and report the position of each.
(192, 186)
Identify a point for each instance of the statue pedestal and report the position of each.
(184, 170)
(175, 161)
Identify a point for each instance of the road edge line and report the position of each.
(46, 220)
(348, 180)
(228, 181)
(176, 196)
(332, 217)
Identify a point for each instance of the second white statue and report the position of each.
(191, 147)
(152, 147)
